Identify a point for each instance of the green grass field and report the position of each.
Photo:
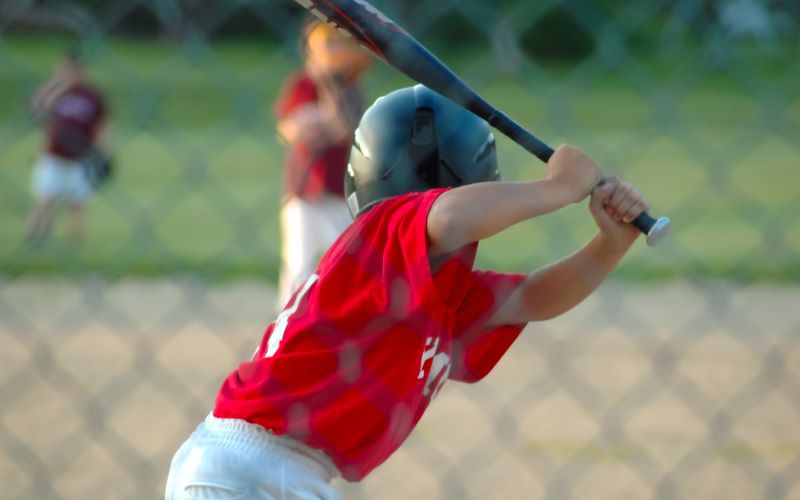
(198, 165)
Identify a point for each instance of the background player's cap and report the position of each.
(331, 53)
(414, 139)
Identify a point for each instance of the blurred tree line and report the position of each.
(547, 29)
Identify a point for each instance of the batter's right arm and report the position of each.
(477, 211)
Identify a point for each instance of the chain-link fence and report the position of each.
(678, 379)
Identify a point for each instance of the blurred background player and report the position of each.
(317, 111)
(73, 114)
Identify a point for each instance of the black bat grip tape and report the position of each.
(644, 222)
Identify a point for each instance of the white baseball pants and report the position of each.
(231, 459)
(307, 230)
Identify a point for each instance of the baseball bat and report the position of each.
(368, 26)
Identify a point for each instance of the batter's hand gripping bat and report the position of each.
(362, 22)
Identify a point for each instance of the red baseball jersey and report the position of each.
(309, 173)
(363, 346)
(75, 121)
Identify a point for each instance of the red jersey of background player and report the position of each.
(310, 174)
(75, 122)
(353, 361)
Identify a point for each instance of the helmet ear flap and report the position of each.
(413, 140)
(424, 146)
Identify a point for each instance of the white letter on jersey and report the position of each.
(283, 318)
(440, 370)
(427, 354)
(440, 367)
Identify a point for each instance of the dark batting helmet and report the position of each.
(414, 139)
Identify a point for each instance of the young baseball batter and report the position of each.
(394, 309)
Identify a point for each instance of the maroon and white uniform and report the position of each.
(361, 349)
(73, 125)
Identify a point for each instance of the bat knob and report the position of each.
(658, 231)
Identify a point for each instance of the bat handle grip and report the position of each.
(654, 229)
